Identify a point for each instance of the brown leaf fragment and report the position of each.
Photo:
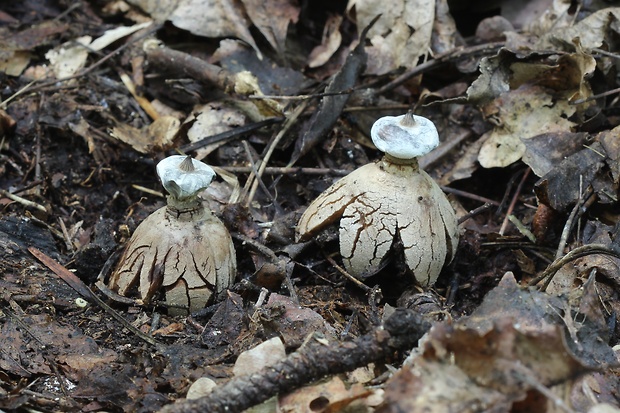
(511, 347)
(329, 44)
(545, 151)
(402, 34)
(214, 18)
(560, 188)
(157, 136)
(292, 322)
(610, 140)
(224, 327)
(592, 31)
(439, 387)
(332, 396)
(272, 18)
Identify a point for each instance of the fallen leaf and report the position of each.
(330, 397)
(210, 119)
(272, 18)
(157, 136)
(548, 150)
(70, 57)
(522, 114)
(498, 357)
(329, 44)
(214, 18)
(401, 35)
(592, 31)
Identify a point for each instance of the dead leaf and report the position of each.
(592, 31)
(401, 35)
(546, 151)
(492, 360)
(210, 119)
(526, 97)
(214, 18)
(70, 57)
(330, 397)
(272, 18)
(157, 136)
(331, 106)
(15, 48)
(293, 322)
(561, 187)
(330, 43)
(444, 28)
(522, 114)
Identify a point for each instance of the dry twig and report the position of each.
(316, 359)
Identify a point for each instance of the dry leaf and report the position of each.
(210, 119)
(526, 97)
(591, 31)
(214, 18)
(70, 57)
(332, 396)
(272, 18)
(401, 35)
(522, 114)
(330, 43)
(157, 136)
(499, 356)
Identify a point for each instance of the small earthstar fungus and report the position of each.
(181, 252)
(390, 202)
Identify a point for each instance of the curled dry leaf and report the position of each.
(386, 201)
(181, 248)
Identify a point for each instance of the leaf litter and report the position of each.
(290, 91)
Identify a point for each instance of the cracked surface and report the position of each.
(375, 203)
(191, 257)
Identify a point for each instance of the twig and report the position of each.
(445, 148)
(464, 194)
(77, 284)
(229, 135)
(274, 170)
(475, 212)
(288, 123)
(316, 359)
(571, 219)
(262, 185)
(348, 276)
(23, 201)
(453, 54)
(515, 198)
(578, 252)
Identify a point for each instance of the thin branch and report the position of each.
(79, 286)
(578, 252)
(314, 360)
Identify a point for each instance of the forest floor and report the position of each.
(279, 97)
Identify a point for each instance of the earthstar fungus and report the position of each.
(388, 201)
(181, 249)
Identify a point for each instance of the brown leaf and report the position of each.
(329, 44)
(402, 34)
(214, 18)
(272, 18)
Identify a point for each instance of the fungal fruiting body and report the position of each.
(387, 201)
(181, 250)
